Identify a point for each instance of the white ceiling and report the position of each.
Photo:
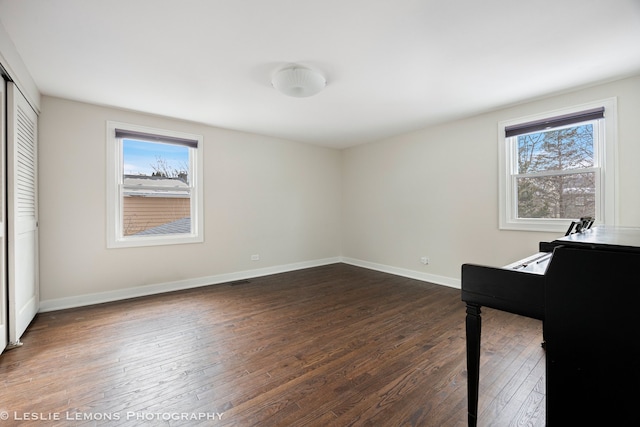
(392, 66)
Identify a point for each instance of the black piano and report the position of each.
(584, 287)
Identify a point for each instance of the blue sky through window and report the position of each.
(139, 156)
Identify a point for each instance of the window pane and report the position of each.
(156, 192)
(557, 196)
(557, 149)
(155, 159)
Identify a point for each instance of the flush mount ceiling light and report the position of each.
(298, 81)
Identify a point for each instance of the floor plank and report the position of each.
(335, 345)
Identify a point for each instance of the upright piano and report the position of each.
(585, 288)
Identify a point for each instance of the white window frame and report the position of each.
(605, 168)
(115, 235)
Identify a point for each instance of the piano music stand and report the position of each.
(580, 226)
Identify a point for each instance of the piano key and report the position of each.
(536, 263)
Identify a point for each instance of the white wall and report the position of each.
(266, 196)
(435, 192)
(12, 62)
(382, 205)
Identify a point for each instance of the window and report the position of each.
(558, 167)
(154, 186)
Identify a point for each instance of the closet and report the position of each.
(19, 287)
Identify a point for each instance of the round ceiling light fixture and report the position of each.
(298, 81)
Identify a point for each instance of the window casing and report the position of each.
(154, 202)
(541, 192)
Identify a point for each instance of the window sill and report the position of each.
(542, 225)
(132, 242)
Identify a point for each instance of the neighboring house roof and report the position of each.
(154, 186)
(180, 226)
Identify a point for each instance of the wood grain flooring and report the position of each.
(335, 345)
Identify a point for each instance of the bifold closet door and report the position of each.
(4, 305)
(22, 213)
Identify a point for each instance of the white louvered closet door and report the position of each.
(4, 305)
(22, 213)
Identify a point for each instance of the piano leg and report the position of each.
(474, 326)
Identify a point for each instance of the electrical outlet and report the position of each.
(255, 257)
(424, 260)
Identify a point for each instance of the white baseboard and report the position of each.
(139, 291)
(425, 277)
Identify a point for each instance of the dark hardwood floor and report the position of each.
(335, 345)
